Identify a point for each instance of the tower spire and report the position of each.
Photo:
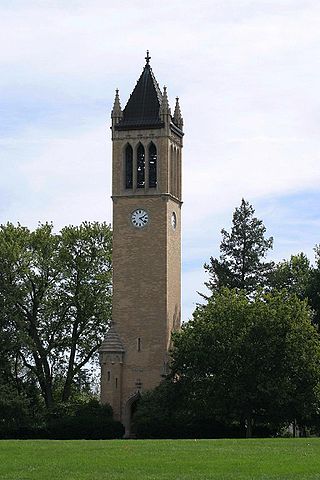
(143, 106)
(177, 117)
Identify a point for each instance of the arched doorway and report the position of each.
(130, 409)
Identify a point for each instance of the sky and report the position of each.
(247, 75)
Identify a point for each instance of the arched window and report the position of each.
(171, 170)
(129, 166)
(152, 166)
(140, 167)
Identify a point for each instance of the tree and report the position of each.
(169, 411)
(157, 411)
(313, 291)
(251, 360)
(293, 275)
(241, 253)
(298, 276)
(85, 419)
(55, 300)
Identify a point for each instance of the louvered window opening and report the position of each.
(152, 166)
(129, 167)
(140, 167)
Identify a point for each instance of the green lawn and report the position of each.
(160, 459)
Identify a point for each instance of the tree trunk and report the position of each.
(243, 427)
(40, 355)
(249, 422)
(48, 397)
(68, 383)
(42, 372)
(70, 373)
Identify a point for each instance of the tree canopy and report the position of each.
(313, 291)
(251, 360)
(55, 302)
(293, 275)
(298, 276)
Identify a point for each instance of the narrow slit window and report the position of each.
(129, 166)
(140, 167)
(109, 376)
(116, 382)
(152, 166)
(139, 344)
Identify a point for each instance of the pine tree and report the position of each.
(241, 254)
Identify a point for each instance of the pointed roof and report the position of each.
(111, 342)
(143, 107)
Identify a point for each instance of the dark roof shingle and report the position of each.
(143, 107)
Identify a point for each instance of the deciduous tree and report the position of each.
(55, 293)
(251, 359)
(293, 275)
(313, 291)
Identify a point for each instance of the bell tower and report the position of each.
(146, 195)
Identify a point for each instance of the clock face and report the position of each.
(173, 220)
(139, 218)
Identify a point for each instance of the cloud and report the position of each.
(247, 76)
(63, 178)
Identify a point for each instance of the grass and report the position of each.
(160, 459)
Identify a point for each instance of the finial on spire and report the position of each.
(177, 117)
(147, 58)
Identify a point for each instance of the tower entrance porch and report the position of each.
(130, 409)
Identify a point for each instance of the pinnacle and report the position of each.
(116, 111)
(177, 117)
(165, 107)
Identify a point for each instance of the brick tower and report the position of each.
(146, 195)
